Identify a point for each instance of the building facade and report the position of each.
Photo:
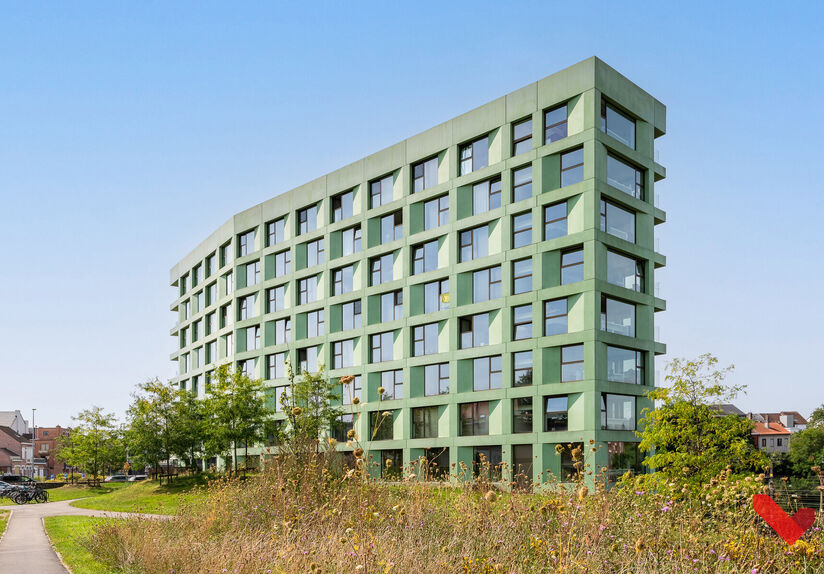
(45, 447)
(495, 275)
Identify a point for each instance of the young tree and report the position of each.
(189, 431)
(93, 443)
(309, 406)
(807, 450)
(152, 422)
(686, 433)
(817, 418)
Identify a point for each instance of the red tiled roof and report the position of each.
(774, 429)
(776, 417)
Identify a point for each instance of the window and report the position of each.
(436, 379)
(201, 301)
(522, 276)
(211, 294)
(522, 183)
(568, 470)
(424, 339)
(625, 177)
(275, 232)
(624, 456)
(555, 124)
(314, 253)
(521, 229)
(625, 271)
(475, 418)
(392, 306)
(252, 273)
(343, 354)
(307, 290)
(617, 125)
(572, 167)
(391, 462)
(276, 299)
(225, 254)
(187, 309)
(352, 390)
(342, 205)
(486, 196)
(617, 317)
(522, 369)
(210, 323)
(381, 345)
(225, 316)
(617, 221)
(247, 367)
(184, 280)
(246, 307)
(391, 227)
(308, 360)
(307, 219)
(425, 257)
(474, 155)
(474, 330)
(436, 212)
(763, 442)
(474, 243)
(555, 221)
(380, 268)
(522, 415)
(351, 315)
(436, 296)
(210, 265)
(486, 462)
(230, 345)
(276, 366)
(245, 243)
(392, 383)
(342, 280)
(425, 422)
(283, 331)
(380, 191)
(572, 363)
(253, 338)
(625, 365)
(522, 136)
(486, 373)
(617, 412)
(282, 263)
(342, 426)
(572, 267)
(556, 413)
(314, 323)
(381, 425)
(424, 174)
(522, 322)
(351, 240)
(777, 443)
(556, 320)
(486, 284)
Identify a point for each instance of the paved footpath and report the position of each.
(25, 546)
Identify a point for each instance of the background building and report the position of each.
(495, 274)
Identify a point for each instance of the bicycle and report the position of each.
(26, 495)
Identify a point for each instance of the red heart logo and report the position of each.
(790, 528)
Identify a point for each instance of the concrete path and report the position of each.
(25, 546)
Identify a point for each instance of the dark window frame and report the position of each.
(522, 139)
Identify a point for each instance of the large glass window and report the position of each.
(245, 309)
(276, 299)
(624, 456)
(351, 391)
(282, 263)
(486, 196)
(253, 338)
(342, 280)
(342, 426)
(522, 415)
(555, 124)
(343, 354)
(486, 284)
(424, 339)
(245, 246)
(475, 418)
(572, 167)
(625, 271)
(522, 368)
(474, 155)
(617, 317)
(555, 221)
(522, 183)
(522, 322)
(617, 125)
(522, 276)
(307, 290)
(380, 268)
(625, 177)
(474, 243)
(572, 266)
(572, 363)
(556, 413)
(314, 323)
(392, 306)
(436, 212)
(425, 422)
(351, 315)
(486, 373)
(307, 219)
(436, 296)
(625, 365)
(276, 366)
(617, 221)
(424, 174)
(486, 462)
(391, 227)
(351, 240)
(314, 253)
(474, 330)
(425, 257)
(280, 397)
(381, 425)
(436, 379)
(283, 331)
(522, 136)
(617, 412)
(342, 205)
(308, 360)
(392, 383)
(556, 319)
(252, 273)
(521, 229)
(381, 191)
(382, 346)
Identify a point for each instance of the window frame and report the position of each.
(564, 122)
(525, 138)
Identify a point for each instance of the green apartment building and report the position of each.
(494, 274)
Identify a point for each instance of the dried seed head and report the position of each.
(297, 411)
(381, 390)
(355, 401)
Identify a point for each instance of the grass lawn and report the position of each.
(70, 492)
(64, 531)
(4, 519)
(148, 496)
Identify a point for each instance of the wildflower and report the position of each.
(296, 411)
(582, 493)
(381, 390)
(386, 414)
(355, 401)
(639, 544)
(388, 462)
(332, 442)
(666, 508)
(350, 433)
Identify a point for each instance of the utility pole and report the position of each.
(33, 441)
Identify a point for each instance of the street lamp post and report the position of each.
(33, 441)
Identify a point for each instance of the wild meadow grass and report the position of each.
(311, 516)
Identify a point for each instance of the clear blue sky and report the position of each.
(128, 133)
